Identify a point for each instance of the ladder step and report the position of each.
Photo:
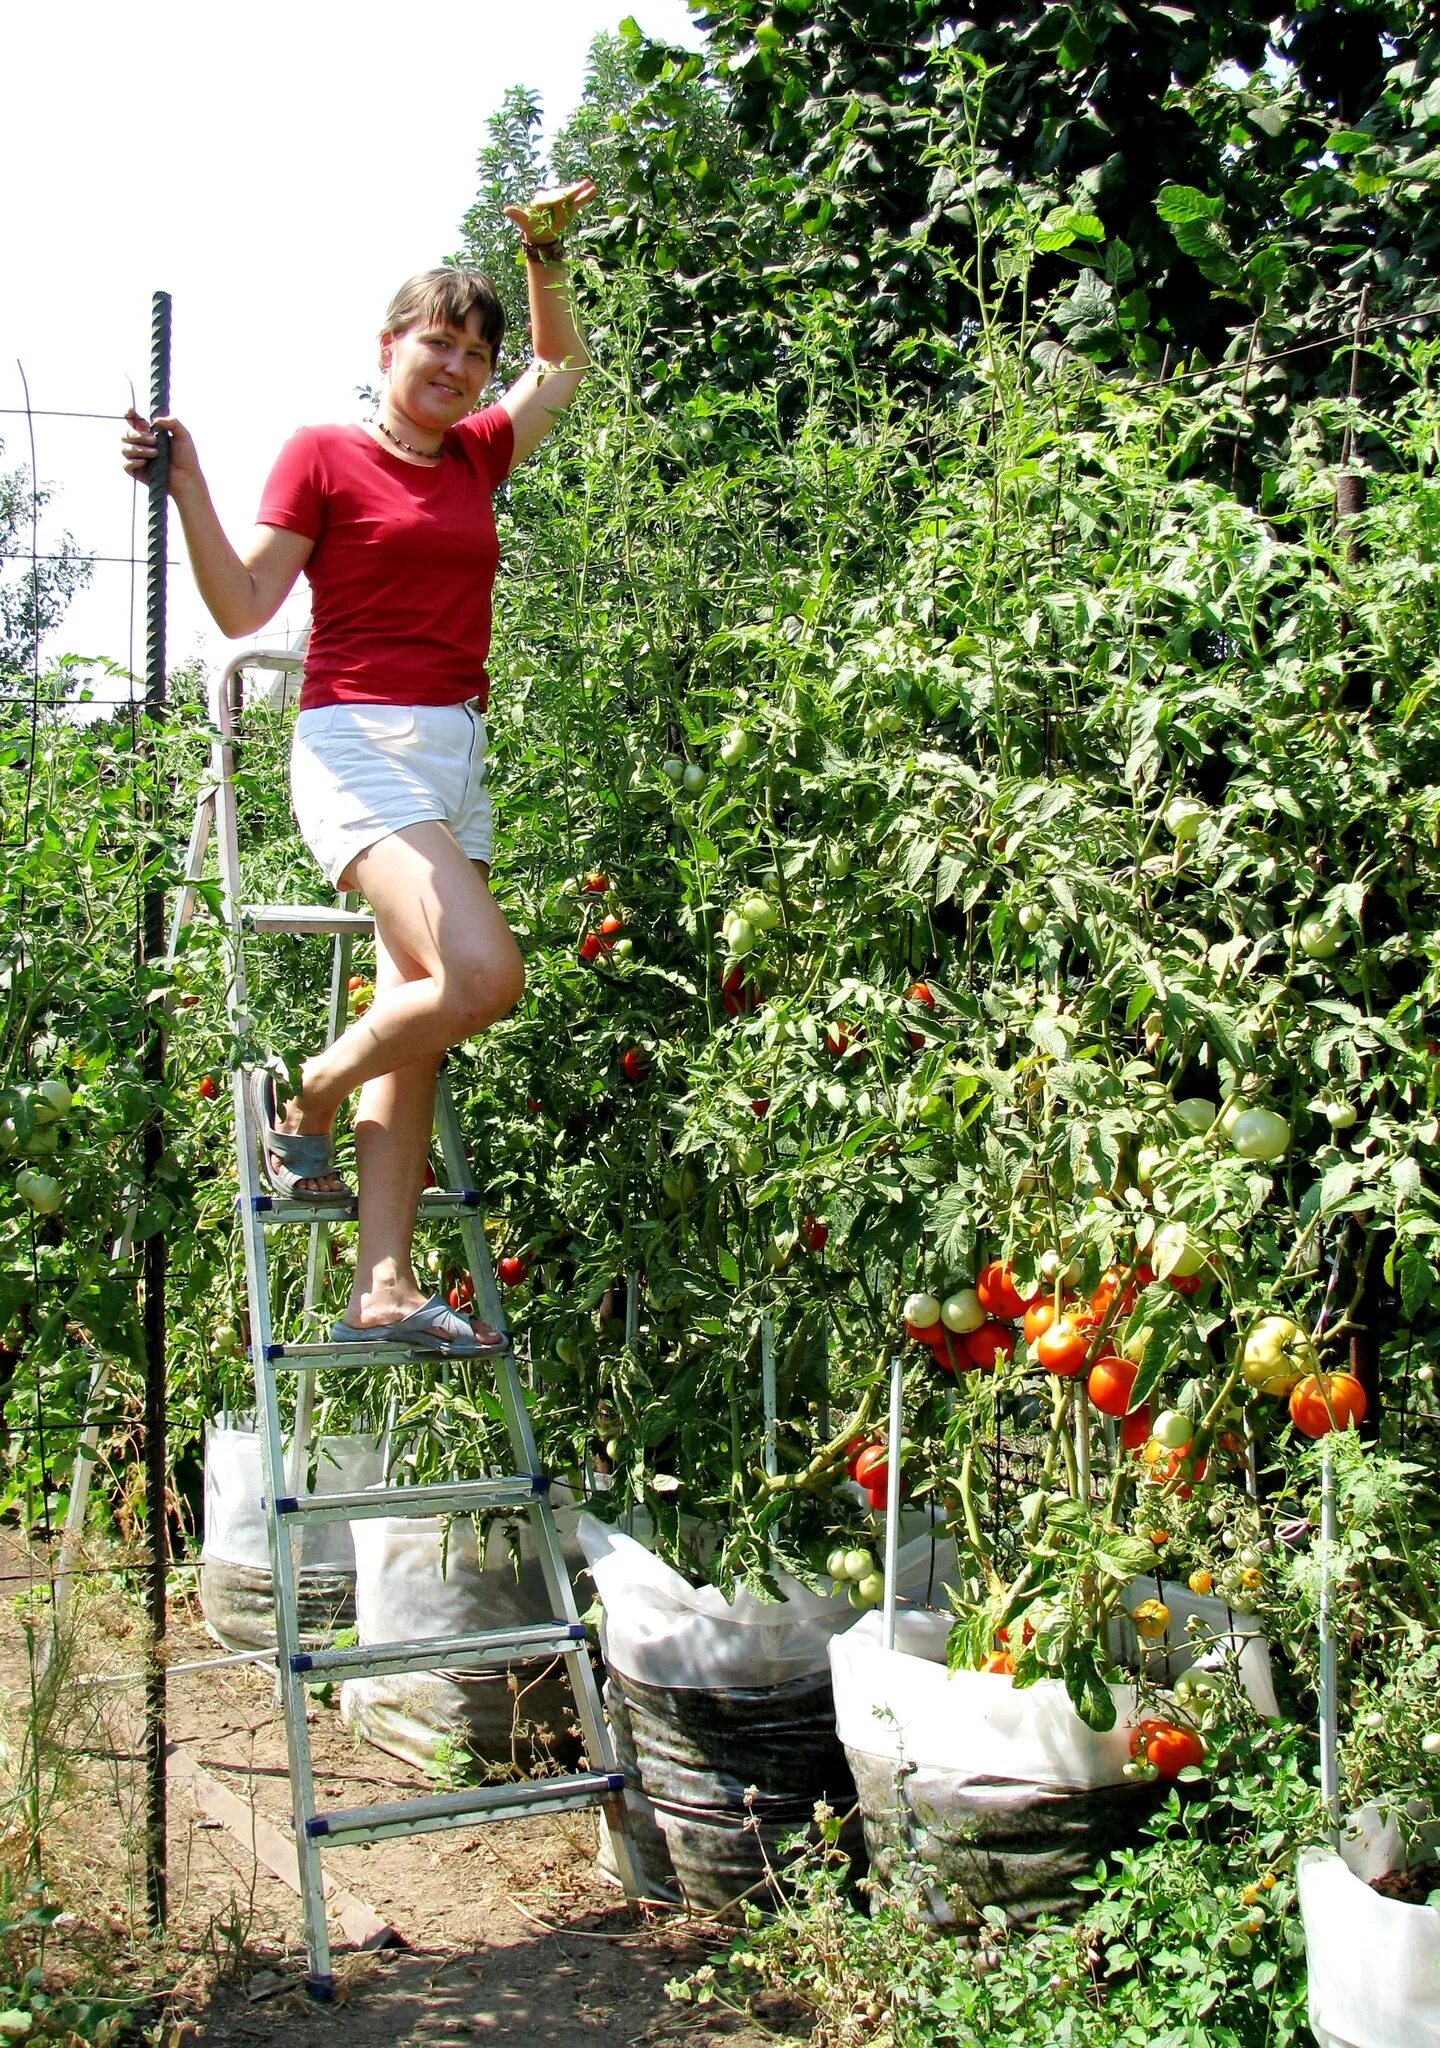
(465, 1809)
(449, 1497)
(353, 1357)
(294, 1209)
(494, 1646)
(305, 918)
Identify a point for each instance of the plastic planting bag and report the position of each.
(974, 1794)
(723, 1712)
(237, 1595)
(423, 1578)
(1373, 1963)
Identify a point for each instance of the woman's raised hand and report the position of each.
(551, 211)
(139, 446)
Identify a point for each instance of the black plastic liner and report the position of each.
(967, 1843)
(698, 1753)
(238, 1603)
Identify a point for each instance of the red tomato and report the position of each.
(1308, 1411)
(532, 1103)
(925, 1333)
(1135, 1428)
(1062, 1349)
(872, 1469)
(590, 946)
(998, 1293)
(634, 1064)
(738, 996)
(814, 1234)
(919, 992)
(611, 926)
(1186, 1283)
(511, 1269)
(207, 1090)
(948, 1349)
(837, 1040)
(356, 981)
(760, 1106)
(1113, 1281)
(999, 1663)
(986, 1346)
(1175, 1465)
(596, 883)
(1111, 1381)
(1169, 1747)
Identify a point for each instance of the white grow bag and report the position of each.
(416, 1579)
(723, 1713)
(236, 1588)
(1373, 1962)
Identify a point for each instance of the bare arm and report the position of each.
(537, 399)
(242, 590)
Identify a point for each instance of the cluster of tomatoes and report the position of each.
(869, 1466)
(1279, 1359)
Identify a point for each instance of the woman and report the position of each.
(391, 522)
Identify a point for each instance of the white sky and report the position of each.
(278, 168)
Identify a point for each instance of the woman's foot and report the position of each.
(379, 1309)
(295, 1121)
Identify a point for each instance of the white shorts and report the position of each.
(359, 772)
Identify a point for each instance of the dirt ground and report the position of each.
(509, 1935)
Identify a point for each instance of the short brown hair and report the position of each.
(447, 298)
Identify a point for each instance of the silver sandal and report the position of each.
(303, 1155)
(431, 1327)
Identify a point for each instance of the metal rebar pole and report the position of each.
(1329, 1704)
(153, 1309)
(893, 1438)
(767, 1394)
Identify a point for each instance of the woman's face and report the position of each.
(436, 373)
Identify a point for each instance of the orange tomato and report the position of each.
(1111, 1382)
(1167, 1746)
(1308, 1410)
(1113, 1281)
(1000, 1662)
(1038, 1318)
(999, 1296)
(1062, 1349)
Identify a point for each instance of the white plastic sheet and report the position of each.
(234, 1487)
(903, 1705)
(1373, 1963)
(660, 1630)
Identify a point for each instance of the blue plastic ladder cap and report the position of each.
(321, 1989)
(261, 1204)
(302, 1662)
(272, 1352)
(470, 1197)
(539, 1482)
(287, 1504)
(615, 1780)
(576, 1631)
(316, 1826)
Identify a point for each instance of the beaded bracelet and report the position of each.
(542, 252)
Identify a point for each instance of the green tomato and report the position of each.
(1030, 917)
(693, 778)
(1177, 1252)
(837, 861)
(40, 1190)
(1148, 1162)
(42, 1142)
(52, 1100)
(859, 1564)
(962, 1312)
(673, 769)
(868, 1592)
(1319, 940)
(923, 1310)
(760, 912)
(740, 936)
(835, 1564)
(1196, 1113)
(749, 1159)
(1339, 1115)
(1172, 1429)
(735, 746)
(623, 949)
(1260, 1134)
(1183, 819)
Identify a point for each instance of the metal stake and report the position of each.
(892, 1497)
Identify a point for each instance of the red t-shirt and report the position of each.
(404, 560)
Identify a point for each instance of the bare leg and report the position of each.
(446, 965)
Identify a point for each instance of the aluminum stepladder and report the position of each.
(288, 1507)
